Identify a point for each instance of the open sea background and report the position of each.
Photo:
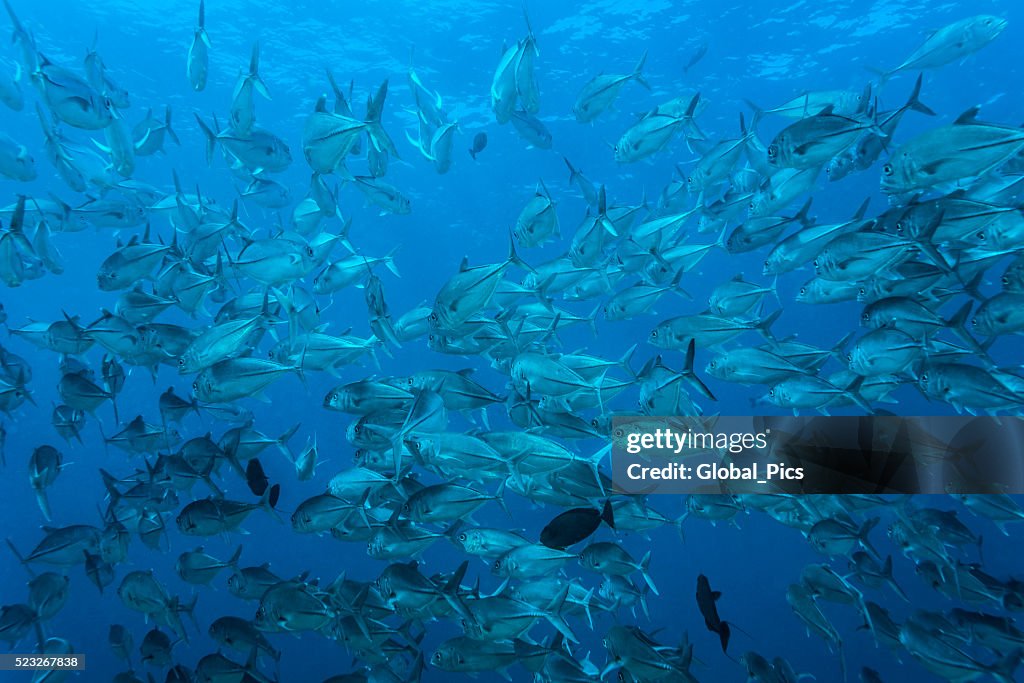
(766, 52)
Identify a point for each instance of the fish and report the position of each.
(706, 603)
(652, 134)
(573, 526)
(15, 161)
(949, 154)
(951, 43)
(600, 92)
(531, 129)
(479, 144)
(198, 60)
(695, 58)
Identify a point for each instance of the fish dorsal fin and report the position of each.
(827, 111)
(716, 594)
(464, 266)
(968, 117)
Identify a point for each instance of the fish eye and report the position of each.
(899, 227)
(713, 364)
(619, 432)
(981, 235)
(309, 250)
(849, 357)
(803, 290)
(463, 537)
(654, 334)
(497, 564)
(924, 376)
(771, 392)
(195, 386)
(887, 169)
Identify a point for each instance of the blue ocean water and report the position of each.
(767, 53)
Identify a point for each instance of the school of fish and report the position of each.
(248, 310)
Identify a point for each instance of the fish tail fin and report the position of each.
(282, 441)
(389, 263)
(675, 285)
(269, 499)
(19, 556)
(451, 590)
(573, 172)
(837, 350)
(254, 71)
(513, 257)
(1003, 669)
(555, 619)
(883, 76)
(862, 535)
(211, 139)
(774, 289)
(691, 376)
(167, 126)
(891, 580)
(802, 215)
(595, 467)
(638, 75)
(233, 560)
(626, 360)
(109, 482)
(645, 564)
(764, 327)
(592, 319)
(608, 514)
(420, 147)
(914, 102)
(44, 504)
(751, 132)
(958, 326)
(374, 130)
(724, 632)
(852, 390)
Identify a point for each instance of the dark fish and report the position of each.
(572, 526)
(256, 478)
(696, 57)
(479, 143)
(709, 610)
